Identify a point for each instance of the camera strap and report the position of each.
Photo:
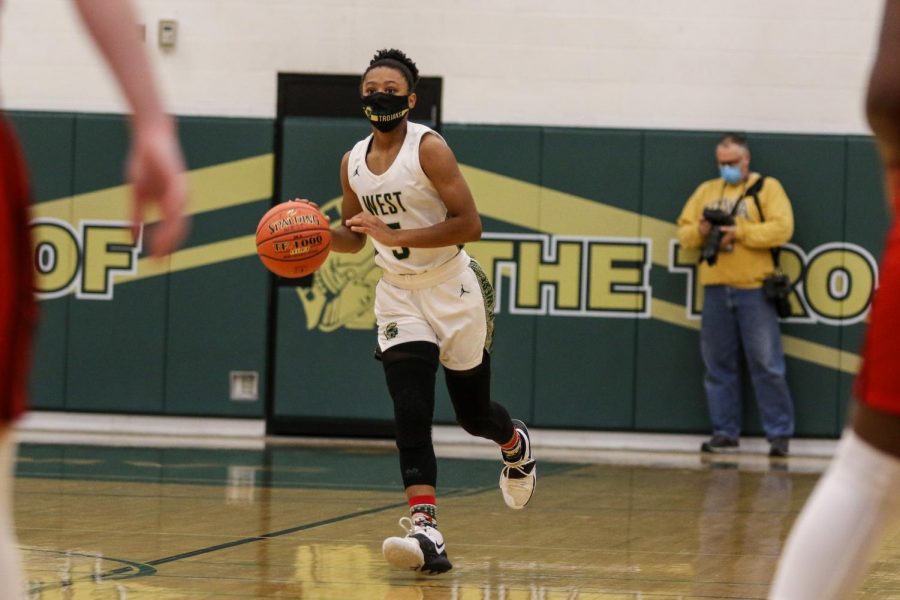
(753, 191)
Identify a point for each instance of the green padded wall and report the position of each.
(322, 368)
(116, 350)
(48, 142)
(511, 152)
(217, 314)
(163, 343)
(669, 389)
(584, 365)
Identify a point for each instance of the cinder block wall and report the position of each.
(766, 65)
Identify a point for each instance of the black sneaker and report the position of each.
(778, 447)
(720, 443)
(421, 549)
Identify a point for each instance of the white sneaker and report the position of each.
(421, 549)
(518, 479)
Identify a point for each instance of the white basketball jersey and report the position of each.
(404, 198)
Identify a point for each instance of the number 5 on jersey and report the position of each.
(404, 251)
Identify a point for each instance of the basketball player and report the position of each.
(857, 501)
(403, 188)
(155, 171)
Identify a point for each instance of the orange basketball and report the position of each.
(293, 239)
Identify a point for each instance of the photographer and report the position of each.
(723, 219)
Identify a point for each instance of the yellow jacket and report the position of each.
(751, 260)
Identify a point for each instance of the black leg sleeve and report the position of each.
(409, 370)
(470, 392)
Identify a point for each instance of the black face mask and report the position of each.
(385, 111)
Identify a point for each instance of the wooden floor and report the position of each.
(307, 522)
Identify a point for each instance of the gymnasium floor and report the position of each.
(307, 521)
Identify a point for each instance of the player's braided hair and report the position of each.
(396, 59)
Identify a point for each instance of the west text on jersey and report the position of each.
(383, 204)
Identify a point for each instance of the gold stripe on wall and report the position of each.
(192, 258)
(534, 207)
(821, 354)
(673, 314)
(211, 188)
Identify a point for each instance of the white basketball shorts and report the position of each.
(451, 306)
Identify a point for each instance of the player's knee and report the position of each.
(471, 387)
(409, 370)
(470, 393)
(425, 352)
(477, 374)
(476, 425)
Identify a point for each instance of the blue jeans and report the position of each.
(735, 318)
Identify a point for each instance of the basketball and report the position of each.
(293, 239)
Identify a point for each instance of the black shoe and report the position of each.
(720, 443)
(421, 549)
(779, 447)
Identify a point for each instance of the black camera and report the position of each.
(777, 289)
(717, 218)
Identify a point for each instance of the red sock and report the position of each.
(511, 444)
(512, 450)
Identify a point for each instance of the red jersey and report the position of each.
(18, 310)
(878, 384)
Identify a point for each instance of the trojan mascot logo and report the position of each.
(342, 293)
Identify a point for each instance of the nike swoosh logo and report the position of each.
(440, 549)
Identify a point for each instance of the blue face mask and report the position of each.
(730, 173)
